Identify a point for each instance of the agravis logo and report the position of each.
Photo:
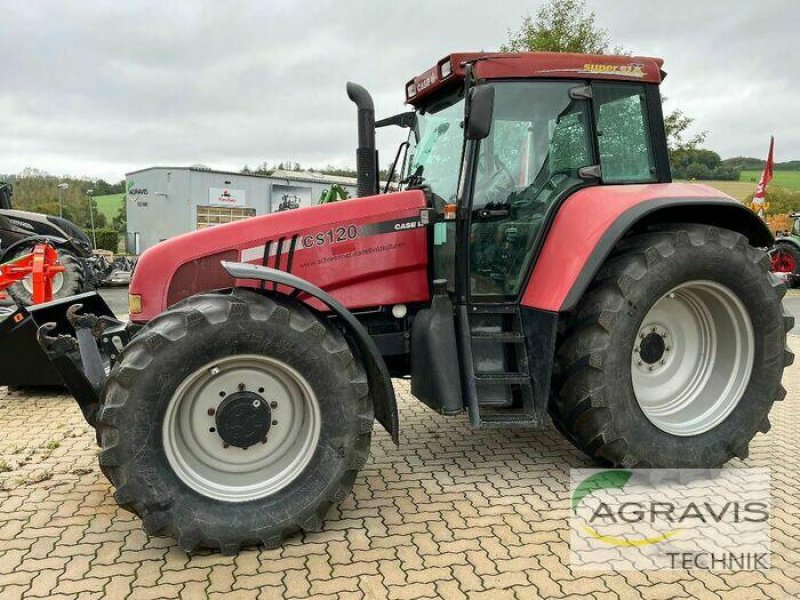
(666, 518)
(603, 481)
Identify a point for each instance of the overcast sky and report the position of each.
(102, 88)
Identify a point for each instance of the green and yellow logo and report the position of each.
(611, 480)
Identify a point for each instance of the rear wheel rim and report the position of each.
(782, 262)
(193, 432)
(692, 358)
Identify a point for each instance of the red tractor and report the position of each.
(536, 261)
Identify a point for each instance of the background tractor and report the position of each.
(537, 264)
(785, 254)
(21, 231)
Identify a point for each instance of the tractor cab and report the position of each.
(549, 125)
(498, 142)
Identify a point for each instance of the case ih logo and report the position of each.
(426, 80)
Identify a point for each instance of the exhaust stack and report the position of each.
(366, 154)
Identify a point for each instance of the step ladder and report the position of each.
(495, 371)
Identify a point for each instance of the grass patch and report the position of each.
(4, 467)
(786, 179)
(52, 445)
(109, 205)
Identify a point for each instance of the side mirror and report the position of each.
(481, 107)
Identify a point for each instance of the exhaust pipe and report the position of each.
(366, 154)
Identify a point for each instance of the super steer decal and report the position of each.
(334, 235)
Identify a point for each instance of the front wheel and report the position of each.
(234, 419)
(675, 355)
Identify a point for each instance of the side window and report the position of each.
(623, 133)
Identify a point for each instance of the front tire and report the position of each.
(675, 355)
(234, 419)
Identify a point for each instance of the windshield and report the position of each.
(435, 150)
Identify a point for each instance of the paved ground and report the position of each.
(117, 298)
(452, 513)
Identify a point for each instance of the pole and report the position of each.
(91, 220)
(60, 202)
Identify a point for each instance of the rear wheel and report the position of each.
(675, 355)
(785, 262)
(234, 419)
(67, 283)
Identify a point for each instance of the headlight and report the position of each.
(134, 304)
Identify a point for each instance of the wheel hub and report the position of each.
(653, 349)
(243, 419)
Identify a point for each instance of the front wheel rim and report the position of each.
(203, 451)
(692, 358)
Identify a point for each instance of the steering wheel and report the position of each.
(492, 188)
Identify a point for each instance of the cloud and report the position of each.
(103, 88)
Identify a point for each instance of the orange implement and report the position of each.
(42, 265)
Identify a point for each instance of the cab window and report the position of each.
(623, 133)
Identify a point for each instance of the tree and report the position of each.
(675, 125)
(560, 26)
(568, 26)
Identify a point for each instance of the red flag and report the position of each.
(758, 204)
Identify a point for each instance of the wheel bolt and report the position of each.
(256, 403)
(663, 362)
(636, 350)
(225, 445)
(638, 362)
(641, 335)
(211, 412)
(274, 422)
(241, 387)
(264, 441)
(273, 404)
(668, 348)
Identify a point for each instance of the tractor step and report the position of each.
(504, 378)
(509, 337)
(496, 378)
(507, 420)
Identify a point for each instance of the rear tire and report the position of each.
(187, 481)
(68, 283)
(604, 403)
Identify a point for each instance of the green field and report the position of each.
(109, 205)
(787, 179)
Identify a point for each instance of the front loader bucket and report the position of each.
(23, 362)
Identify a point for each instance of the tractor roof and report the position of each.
(524, 65)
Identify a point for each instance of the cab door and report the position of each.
(537, 151)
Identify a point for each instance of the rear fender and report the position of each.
(380, 382)
(594, 220)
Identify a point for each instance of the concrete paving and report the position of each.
(452, 513)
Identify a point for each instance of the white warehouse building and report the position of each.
(162, 202)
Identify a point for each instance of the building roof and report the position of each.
(302, 176)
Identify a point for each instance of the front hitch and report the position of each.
(82, 347)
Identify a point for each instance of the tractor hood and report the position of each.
(366, 252)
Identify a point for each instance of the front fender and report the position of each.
(380, 382)
(787, 240)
